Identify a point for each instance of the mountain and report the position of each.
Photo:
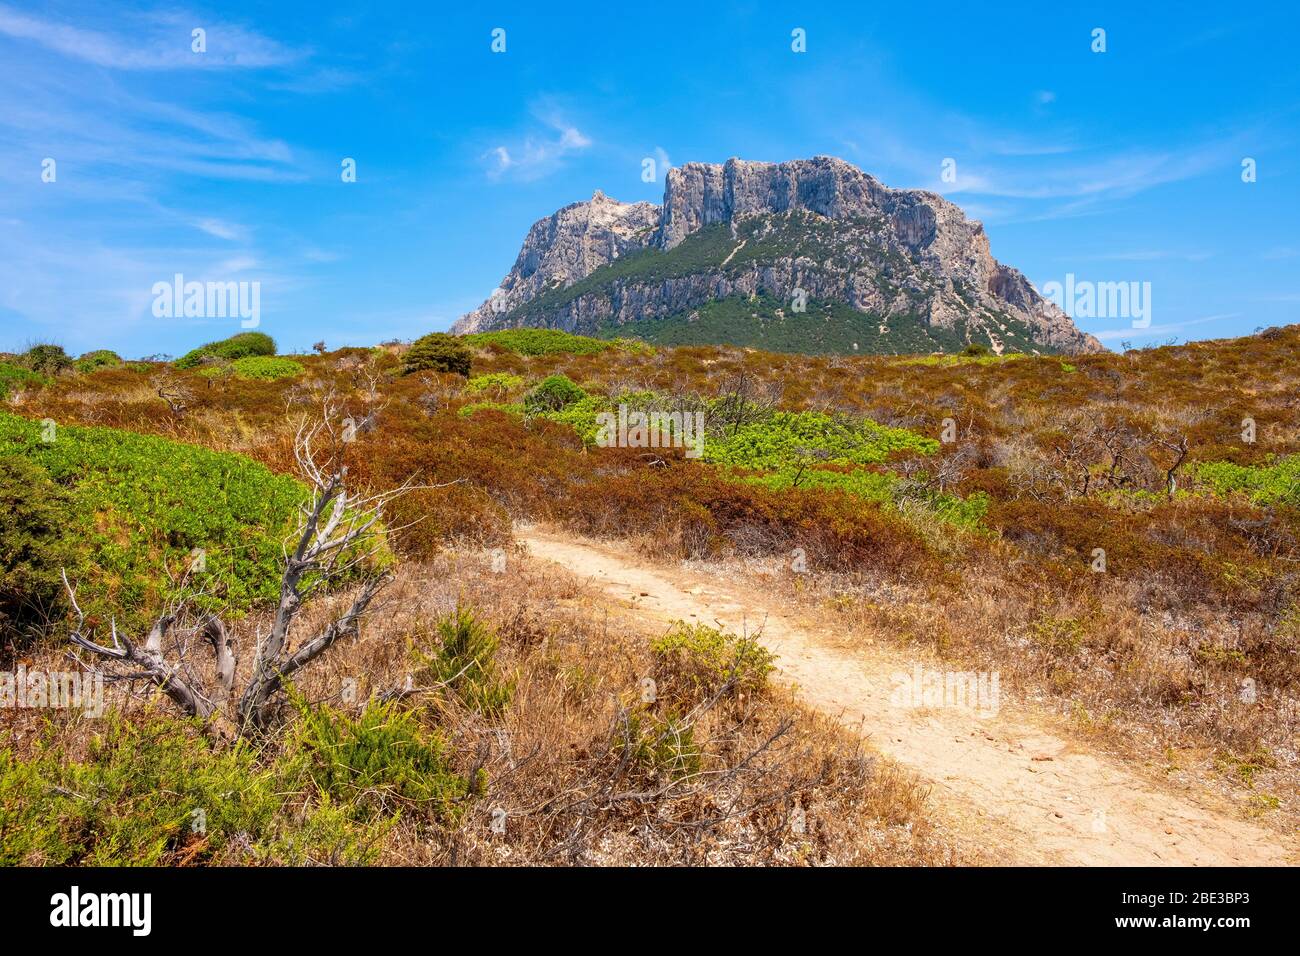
(724, 258)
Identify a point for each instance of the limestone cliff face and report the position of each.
(819, 226)
(565, 247)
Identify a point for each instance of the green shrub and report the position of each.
(882, 488)
(236, 347)
(94, 361)
(552, 394)
(1276, 482)
(659, 746)
(497, 382)
(437, 352)
(34, 546)
(266, 368)
(139, 504)
(463, 657)
(156, 791)
(975, 350)
(15, 377)
(789, 438)
(46, 359)
(699, 660)
(508, 408)
(131, 799)
(378, 763)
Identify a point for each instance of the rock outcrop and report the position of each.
(819, 227)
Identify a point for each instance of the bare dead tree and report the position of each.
(336, 538)
(177, 396)
(1179, 450)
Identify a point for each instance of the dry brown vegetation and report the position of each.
(1198, 593)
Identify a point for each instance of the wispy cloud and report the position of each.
(1128, 334)
(222, 230)
(156, 42)
(537, 154)
(1141, 255)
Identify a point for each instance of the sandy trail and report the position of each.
(1026, 794)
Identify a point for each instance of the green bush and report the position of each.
(266, 368)
(659, 746)
(882, 488)
(1277, 482)
(463, 657)
(46, 359)
(500, 383)
(552, 394)
(378, 763)
(699, 660)
(975, 350)
(508, 408)
(130, 800)
(139, 504)
(34, 547)
(789, 438)
(94, 361)
(437, 352)
(157, 791)
(236, 347)
(15, 377)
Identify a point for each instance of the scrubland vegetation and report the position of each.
(1115, 534)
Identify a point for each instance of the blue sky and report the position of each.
(1115, 166)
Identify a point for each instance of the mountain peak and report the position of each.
(906, 265)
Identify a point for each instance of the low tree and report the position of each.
(437, 352)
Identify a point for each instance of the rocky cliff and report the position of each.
(812, 255)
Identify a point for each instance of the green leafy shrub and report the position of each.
(659, 746)
(1277, 482)
(699, 660)
(787, 438)
(581, 417)
(551, 394)
(15, 377)
(131, 799)
(236, 347)
(976, 349)
(94, 361)
(140, 504)
(882, 488)
(437, 352)
(378, 763)
(508, 408)
(463, 657)
(156, 791)
(34, 546)
(46, 359)
(266, 368)
(501, 383)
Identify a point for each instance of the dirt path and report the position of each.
(1027, 794)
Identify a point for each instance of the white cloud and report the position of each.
(537, 155)
(222, 230)
(159, 43)
(1127, 334)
